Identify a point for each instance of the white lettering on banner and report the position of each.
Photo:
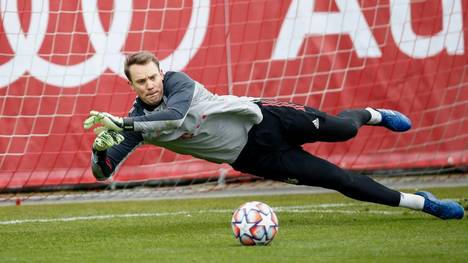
(107, 45)
(450, 37)
(301, 22)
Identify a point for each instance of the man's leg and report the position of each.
(297, 164)
(303, 124)
(267, 155)
(346, 125)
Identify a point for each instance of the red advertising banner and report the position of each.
(61, 59)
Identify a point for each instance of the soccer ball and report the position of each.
(254, 223)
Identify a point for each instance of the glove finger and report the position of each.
(106, 137)
(116, 137)
(110, 124)
(94, 113)
(99, 144)
(99, 130)
(89, 122)
(120, 138)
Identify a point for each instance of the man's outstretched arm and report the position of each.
(179, 92)
(110, 149)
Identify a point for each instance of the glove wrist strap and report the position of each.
(128, 124)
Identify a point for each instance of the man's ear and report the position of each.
(131, 85)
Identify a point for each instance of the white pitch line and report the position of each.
(321, 208)
(379, 212)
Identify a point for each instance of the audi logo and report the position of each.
(107, 45)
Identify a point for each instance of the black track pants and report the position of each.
(274, 151)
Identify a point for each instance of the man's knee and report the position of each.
(351, 123)
(348, 130)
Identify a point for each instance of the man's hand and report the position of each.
(106, 139)
(107, 120)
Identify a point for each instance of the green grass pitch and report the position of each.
(313, 228)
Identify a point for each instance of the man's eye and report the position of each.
(152, 78)
(141, 82)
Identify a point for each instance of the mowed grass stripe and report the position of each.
(322, 208)
(313, 228)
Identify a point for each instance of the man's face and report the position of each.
(147, 81)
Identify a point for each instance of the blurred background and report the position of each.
(60, 59)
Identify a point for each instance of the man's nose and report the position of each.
(149, 84)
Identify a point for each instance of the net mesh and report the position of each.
(60, 59)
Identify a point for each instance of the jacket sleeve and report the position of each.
(178, 90)
(105, 163)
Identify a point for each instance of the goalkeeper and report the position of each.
(256, 136)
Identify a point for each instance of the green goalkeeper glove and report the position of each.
(107, 120)
(106, 139)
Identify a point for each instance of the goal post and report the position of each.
(61, 59)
